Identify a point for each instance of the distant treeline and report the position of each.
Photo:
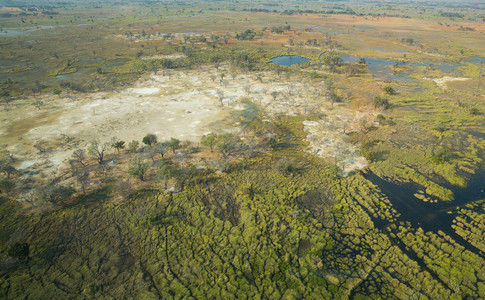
(452, 15)
(335, 11)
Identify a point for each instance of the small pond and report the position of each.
(288, 60)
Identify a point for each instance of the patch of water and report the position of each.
(16, 32)
(476, 60)
(289, 60)
(480, 135)
(431, 216)
(380, 67)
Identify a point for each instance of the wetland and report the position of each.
(221, 150)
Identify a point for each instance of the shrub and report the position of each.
(389, 90)
(19, 250)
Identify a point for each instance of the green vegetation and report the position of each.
(150, 139)
(250, 211)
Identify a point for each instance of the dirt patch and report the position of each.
(180, 104)
(329, 138)
(441, 82)
(152, 105)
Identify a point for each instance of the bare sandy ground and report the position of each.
(167, 107)
(179, 104)
(441, 82)
(329, 138)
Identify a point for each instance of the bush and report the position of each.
(19, 250)
(380, 102)
(389, 90)
(474, 111)
(138, 168)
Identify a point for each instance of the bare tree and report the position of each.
(220, 96)
(79, 156)
(97, 150)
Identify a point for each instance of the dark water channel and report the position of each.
(431, 216)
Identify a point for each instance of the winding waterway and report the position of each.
(432, 216)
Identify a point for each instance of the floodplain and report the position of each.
(242, 150)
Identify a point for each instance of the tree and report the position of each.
(352, 70)
(118, 145)
(380, 102)
(54, 193)
(167, 171)
(138, 168)
(274, 94)
(97, 150)
(150, 139)
(174, 144)
(381, 119)
(332, 60)
(82, 177)
(209, 140)
(68, 86)
(7, 168)
(334, 98)
(79, 156)
(227, 143)
(6, 98)
(161, 148)
(38, 87)
(133, 146)
(389, 90)
(220, 96)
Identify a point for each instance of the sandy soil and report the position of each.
(329, 138)
(180, 104)
(167, 107)
(441, 82)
